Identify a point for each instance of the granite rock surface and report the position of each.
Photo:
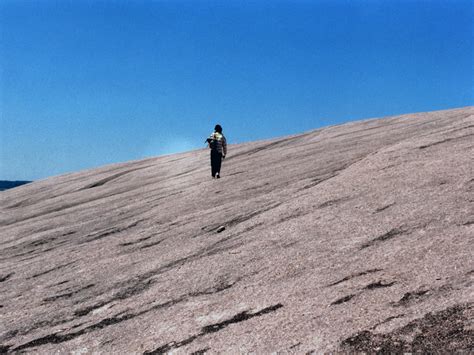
(357, 237)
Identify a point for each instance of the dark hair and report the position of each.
(218, 128)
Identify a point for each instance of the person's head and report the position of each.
(218, 128)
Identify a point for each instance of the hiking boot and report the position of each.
(218, 176)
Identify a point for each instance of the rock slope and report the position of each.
(356, 237)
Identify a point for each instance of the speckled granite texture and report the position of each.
(358, 237)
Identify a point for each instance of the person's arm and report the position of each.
(224, 146)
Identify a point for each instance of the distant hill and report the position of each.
(5, 185)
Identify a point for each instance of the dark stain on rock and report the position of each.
(9, 335)
(243, 218)
(343, 299)
(236, 173)
(85, 311)
(60, 338)
(107, 232)
(67, 295)
(332, 202)
(384, 237)
(149, 245)
(295, 345)
(213, 290)
(243, 316)
(61, 283)
(112, 177)
(370, 271)
(443, 332)
(378, 210)
(135, 241)
(411, 297)
(201, 352)
(315, 182)
(387, 320)
(51, 270)
(379, 284)
(4, 278)
(213, 328)
(4, 349)
(444, 141)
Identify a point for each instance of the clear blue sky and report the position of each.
(87, 83)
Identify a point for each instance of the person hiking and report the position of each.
(218, 145)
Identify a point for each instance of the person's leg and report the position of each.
(218, 164)
(213, 163)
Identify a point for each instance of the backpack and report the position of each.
(213, 144)
(214, 141)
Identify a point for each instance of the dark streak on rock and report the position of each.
(60, 338)
(106, 233)
(444, 141)
(4, 349)
(151, 244)
(112, 177)
(9, 335)
(296, 214)
(379, 284)
(68, 294)
(61, 283)
(387, 320)
(248, 216)
(389, 235)
(243, 316)
(294, 346)
(6, 277)
(384, 208)
(213, 290)
(236, 173)
(443, 332)
(411, 297)
(85, 311)
(201, 352)
(136, 241)
(51, 270)
(315, 182)
(355, 275)
(461, 128)
(332, 202)
(343, 299)
(213, 328)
